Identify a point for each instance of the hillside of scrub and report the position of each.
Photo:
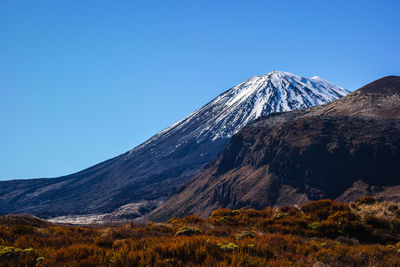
(319, 233)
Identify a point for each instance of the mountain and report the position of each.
(342, 150)
(141, 179)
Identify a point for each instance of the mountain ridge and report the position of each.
(292, 157)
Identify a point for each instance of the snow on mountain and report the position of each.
(276, 91)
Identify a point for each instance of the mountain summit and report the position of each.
(140, 179)
(260, 95)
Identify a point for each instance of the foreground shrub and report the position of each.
(367, 200)
(228, 246)
(245, 234)
(322, 209)
(11, 256)
(188, 231)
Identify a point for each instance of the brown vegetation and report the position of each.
(320, 233)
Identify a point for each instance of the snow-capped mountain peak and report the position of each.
(275, 91)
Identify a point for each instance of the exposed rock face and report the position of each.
(146, 175)
(342, 150)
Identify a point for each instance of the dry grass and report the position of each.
(320, 233)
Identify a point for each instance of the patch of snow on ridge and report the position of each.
(124, 213)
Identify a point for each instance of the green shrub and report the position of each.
(12, 256)
(313, 225)
(229, 246)
(188, 230)
(280, 215)
(245, 234)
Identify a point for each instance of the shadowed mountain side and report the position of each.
(342, 150)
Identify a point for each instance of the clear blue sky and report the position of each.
(83, 81)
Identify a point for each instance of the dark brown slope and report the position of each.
(342, 150)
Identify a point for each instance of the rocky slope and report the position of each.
(139, 180)
(341, 150)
